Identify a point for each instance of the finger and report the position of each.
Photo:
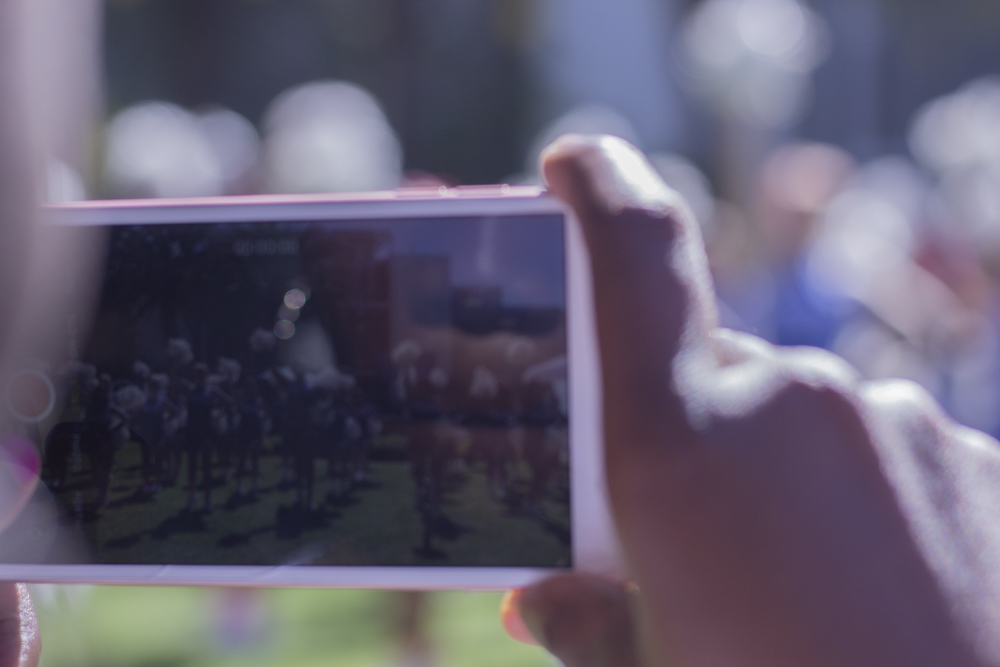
(652, 291)
(511, 618)
(20, 643)
(750, 372)
(583, 620)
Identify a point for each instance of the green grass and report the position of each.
(378, 524)
(179, 627)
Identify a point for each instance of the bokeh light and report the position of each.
(751, 58)
(295, 299)
(283, 329)
(329, 136)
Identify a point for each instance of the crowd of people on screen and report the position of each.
(202, 427)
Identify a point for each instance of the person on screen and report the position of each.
(249, 436)
(544, 440)
(148, 429)
(199, 435)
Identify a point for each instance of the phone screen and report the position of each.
(380, 392)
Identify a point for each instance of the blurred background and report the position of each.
(842, 157)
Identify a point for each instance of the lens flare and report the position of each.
(283, 329)
(295, 299)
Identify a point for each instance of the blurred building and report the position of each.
(888, 57)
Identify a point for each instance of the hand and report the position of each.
(773, 509)
(582, 619)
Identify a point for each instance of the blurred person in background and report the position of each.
(751, 63)
(770, 291)
(323, 136)
(158, 149)
(329, 136)
(956, 138)
(841, 257)
(918, 292)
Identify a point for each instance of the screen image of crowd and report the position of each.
(321, 393)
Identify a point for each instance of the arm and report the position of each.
(20, 164)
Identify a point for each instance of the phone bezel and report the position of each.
(594, 544)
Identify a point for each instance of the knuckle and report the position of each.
(807, 391)
(818, 393)
(906, 403)
(820, 369)
(733, 347)
(903, 397)
(569, 156)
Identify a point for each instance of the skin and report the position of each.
(773, 509)
(19, 638)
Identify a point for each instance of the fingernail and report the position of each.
(564, 143)
(619, 173)
(510, 616)
(23, 456)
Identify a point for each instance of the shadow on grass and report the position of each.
(137, 497)
(241, 539)
(185, 521)
(437, 526)
(237, 500)
(124, 542)
(291, 522)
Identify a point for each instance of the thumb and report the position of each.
(652, 290)
(584, 620)
(19, 640)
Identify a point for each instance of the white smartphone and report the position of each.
(389, 390)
